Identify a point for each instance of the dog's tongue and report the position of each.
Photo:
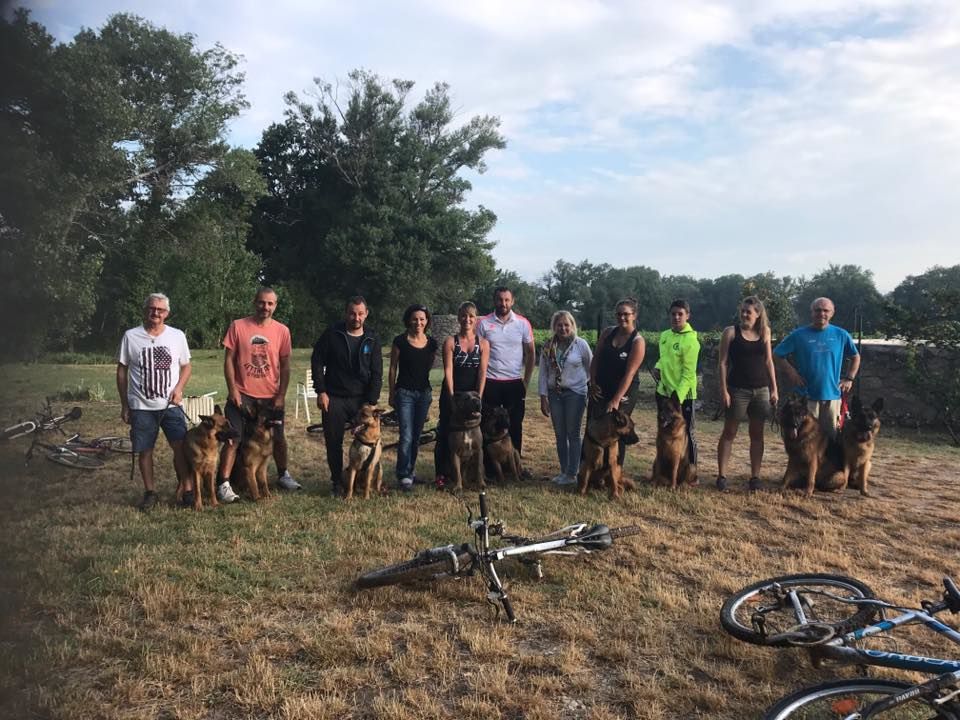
(357, 430)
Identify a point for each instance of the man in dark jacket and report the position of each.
(347, 372)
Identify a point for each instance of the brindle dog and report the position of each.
(813, 462)
(366, 451)
(599, 461)
(497, 445)
(671, 466)
(465, 439)
(858, 438)
(201, 447)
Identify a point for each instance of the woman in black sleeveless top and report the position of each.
(613, 372)
(465, 357)
(411, 358)
(748, 385)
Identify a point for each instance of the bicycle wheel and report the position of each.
(114, 443)
(421, 569)
(842, 698)
(18, 430)
(625, 531)
(71, 459)
(757, 612)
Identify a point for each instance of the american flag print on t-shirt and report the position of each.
(155, 372)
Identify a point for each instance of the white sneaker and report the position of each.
(225, 493)
(564, 480)
(286, 482)
(406, 484)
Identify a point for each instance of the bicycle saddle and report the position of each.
(74, 414)
(951, 595)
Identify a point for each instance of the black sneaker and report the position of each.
(755, 484)
(187, 500)
(149, 500)
(721, 483)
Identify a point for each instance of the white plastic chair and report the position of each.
(305, 393)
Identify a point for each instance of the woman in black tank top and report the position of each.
(465, 357)
(748, 386)
(613, 372)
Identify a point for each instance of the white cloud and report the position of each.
(630, 140)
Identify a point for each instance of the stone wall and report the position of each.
(883, 373)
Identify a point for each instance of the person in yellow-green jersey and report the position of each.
(676, 370)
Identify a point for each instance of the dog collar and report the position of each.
(498, 438)
(364, 442)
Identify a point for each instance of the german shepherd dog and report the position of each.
(858, 438)
(599, 461)
(201, 447)
(257, 448)
(465, 439)
(497, 445)
(813, 462)
(365, 454)
(671, 466)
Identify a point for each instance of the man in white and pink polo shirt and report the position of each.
(511, 360)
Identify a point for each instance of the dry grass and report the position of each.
(248, 611)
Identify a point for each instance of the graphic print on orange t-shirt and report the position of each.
(259, 364)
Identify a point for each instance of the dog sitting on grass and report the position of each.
(364, 465)
(201, 447)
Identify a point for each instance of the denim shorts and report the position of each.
(145, 426)
(753, 403)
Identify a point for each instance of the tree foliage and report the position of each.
(366, 196)
(854, 295)
(101, 141)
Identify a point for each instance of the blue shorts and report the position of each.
(145, 426)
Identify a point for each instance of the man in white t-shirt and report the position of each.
(153, 367)
(511, 360)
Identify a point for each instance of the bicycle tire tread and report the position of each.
(413, 571)
(75, 461)
(863, 616)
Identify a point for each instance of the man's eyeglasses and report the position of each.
(159, 311)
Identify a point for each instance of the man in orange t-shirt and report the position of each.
(256, 365)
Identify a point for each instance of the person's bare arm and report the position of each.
(529, 355)
(484, 361)
(774, 393)
(229, 374)
(448, 364)
(638, 349)
(176, 396)
(392, 376)
(280, 399)
(122, 380)
(846, 382)
(723, 363)
(787, 368)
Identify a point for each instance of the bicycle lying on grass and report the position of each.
(466, 560)
(74, 451)
(829, 615)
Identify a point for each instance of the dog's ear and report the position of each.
(217, 410)
(877, 405)
(377, 412)
(207, 421)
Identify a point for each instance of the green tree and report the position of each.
(915, 291)
(853, 292)
(100, 139)
(777, 295)
(931, 330)
(366, 197)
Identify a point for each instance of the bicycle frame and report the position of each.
(840, 648)
(573, 539)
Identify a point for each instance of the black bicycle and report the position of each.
(466, 560)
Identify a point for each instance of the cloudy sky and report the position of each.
(691, 136)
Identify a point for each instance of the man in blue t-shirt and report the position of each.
(816, 353)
